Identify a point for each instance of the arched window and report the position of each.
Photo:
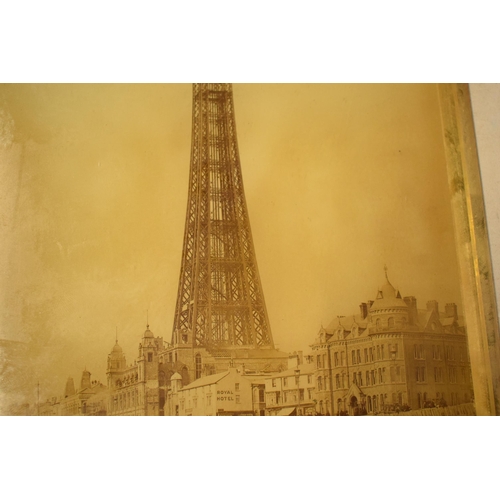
(337, 381)
(378, 324)
(369, 401)
(197, 366)
(390, 322)
(320, 384)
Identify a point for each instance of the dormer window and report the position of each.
(150, 356)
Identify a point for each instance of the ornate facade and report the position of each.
(392, 356)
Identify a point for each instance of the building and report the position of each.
(392, 356)
(229, 393)
(75, 402)
(292, 392)
(134, 389)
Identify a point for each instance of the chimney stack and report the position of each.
(363, 308)
(411, 302)
(451, 311)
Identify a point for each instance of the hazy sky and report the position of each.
(339, 179)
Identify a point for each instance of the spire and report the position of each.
(147, 319)
(116, 335)
(386, 269)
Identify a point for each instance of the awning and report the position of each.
(284, 412)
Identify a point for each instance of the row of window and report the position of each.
(126, 400)
(450, 352)
(275, 398)
(285, 380)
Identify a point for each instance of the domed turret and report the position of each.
(389, 311)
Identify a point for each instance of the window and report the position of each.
(380, 376)
(309, 393)
(273, 382)
(360, 379)
(318, 361)
(320, 384)
(450, 353)
(436, 352)
(366, 355)
(371, 354)
(284, 382)
(324, 361)
(373, 377)
(301, 392)
(236, 387)
(342, 358)
(198, 366)
(382, 351)
(358, 356)
(418, 351)
(353, 357)
(378, 352)
(150, 356)
(378, 324)
(337, 381)
(420, 374)
(393, 374)
(452, 374)
(398, 374)
(438, 374)
(309, 379)
(390, 322)
(336, 359)
(367, 378)
(237, 398)
(354, 378)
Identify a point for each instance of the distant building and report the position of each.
(75, 402)
(392, 356)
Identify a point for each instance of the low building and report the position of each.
(392, 356)
(230, 393)
(292, 392)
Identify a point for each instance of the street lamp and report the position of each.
(297, 380)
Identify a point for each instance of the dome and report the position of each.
(148, 333)
(388, 298)
(117, 348)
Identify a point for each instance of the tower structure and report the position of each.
(220, 310)
(220, 302)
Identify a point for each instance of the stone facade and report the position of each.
(392, 356)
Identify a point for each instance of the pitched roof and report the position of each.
(208, 380)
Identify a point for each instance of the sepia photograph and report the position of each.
(243, 250)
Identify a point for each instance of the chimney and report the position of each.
(411, 302)
(363, 308)
(451, 311)
(432, 305)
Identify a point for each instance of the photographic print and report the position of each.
(243, 250)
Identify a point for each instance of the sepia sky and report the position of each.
(340, 180)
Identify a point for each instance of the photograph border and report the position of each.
(473, 249)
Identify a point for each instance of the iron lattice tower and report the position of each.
(220, 302)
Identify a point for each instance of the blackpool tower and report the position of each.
(220, 315)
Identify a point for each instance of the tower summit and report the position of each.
(220, 303)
